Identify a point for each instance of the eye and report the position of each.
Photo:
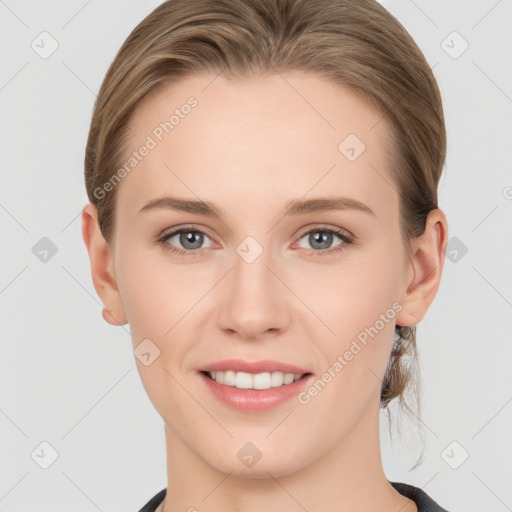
(321, 239)
(190, 239)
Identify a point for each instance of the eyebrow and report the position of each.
(294, 207)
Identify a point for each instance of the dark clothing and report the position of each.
(423, 501)
(153, 503)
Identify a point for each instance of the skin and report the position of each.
(249, 147)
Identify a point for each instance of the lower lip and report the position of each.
(255, 400)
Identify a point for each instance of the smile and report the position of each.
(258, 392)
(244, 380)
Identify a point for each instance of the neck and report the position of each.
(345, 477)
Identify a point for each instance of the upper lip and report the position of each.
(239, 365)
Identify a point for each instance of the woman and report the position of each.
(263, 212)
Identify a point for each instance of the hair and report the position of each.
(357, 44)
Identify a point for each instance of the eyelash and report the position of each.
(347, 240)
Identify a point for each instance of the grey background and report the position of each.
(69, 379)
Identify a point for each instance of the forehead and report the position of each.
(279, 136)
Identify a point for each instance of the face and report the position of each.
(272, 276)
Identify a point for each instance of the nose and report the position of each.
(253, 300)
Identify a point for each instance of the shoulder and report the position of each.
(153, 503)
(423, 501)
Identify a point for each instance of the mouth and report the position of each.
(255, 381)
(254, 392)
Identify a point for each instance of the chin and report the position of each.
(264, 468)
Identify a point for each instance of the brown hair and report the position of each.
(355, 43)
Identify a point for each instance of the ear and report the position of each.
(102, 268)
(426, 266)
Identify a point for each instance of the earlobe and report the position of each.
(102, 271)
(426, 263)
(109, 317)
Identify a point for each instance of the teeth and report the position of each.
(265, 380)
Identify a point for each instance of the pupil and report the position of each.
(191, 237)
(325, 239)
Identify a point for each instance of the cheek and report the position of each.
(155, 294)
(347, 296)
(352, 295)
(156, 299)
(360, 306)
